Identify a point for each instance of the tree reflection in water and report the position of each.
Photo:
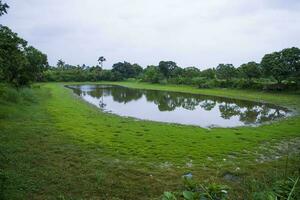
(247, 112)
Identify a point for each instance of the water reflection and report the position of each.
(178, 107)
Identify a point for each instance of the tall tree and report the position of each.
(291, 58)
(282, 65)
(209, 73)
(137, 69)
(250, 70)
(226, 71)
(37, 62)
(152, 74)
(101, 59)
(13, 61)
(167, 68)
(126, 69)
(191, 72)
(61, 64)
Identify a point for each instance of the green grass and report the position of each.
(58, 146)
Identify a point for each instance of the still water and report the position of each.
(176, 107)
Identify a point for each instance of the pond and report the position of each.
(177, 107)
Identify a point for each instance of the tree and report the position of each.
(137, 69)
(96, 72)
(13, 62)
(291, 58)
(191, 72)
(60, 64)
(167, 67)
(3, 8)
(101, 59)
(282, 65)
(226, 71)
(250, 70)
(37, 62)
(152, 74)
(127, 70)
(209, 73)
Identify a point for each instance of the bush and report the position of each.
(9, 94)
(27, 94)
(13, 95)
(287, 188)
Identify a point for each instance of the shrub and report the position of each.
(10, 94)
(13, 95)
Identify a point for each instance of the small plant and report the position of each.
(169, 196)
(215, 192)
(286, 189)
(194, 191)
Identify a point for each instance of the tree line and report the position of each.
(22, 64)
(276, 71)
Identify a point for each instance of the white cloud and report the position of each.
(190, 32)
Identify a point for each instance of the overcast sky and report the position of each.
(190, 32)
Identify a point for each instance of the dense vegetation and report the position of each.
(21, 64)
(277, 71)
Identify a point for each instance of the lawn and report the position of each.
(56, 146)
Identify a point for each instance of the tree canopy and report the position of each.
(226, 71)
(127, 70)
(250, 70)
(167, 68)
(282, 65)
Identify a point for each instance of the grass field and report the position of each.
(56, 146)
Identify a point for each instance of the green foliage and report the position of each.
(37, 62)
(250, 70)
(226, 71)
(19, 64)
(152, 74)
(285, 189)
(195, 191)
(13, 95)
(282, 65)
(247, 76)
(191, 72)
(169, 196)
(215, 192)
(38, 137)
(168, 68)
(9, 94)
(208, 73)
(127, 70)
(12, 59)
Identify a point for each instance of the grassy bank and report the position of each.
(55, 145)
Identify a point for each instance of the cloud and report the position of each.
(189, 32)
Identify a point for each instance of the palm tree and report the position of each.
(101, 59)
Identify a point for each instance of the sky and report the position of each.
(190, 32)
